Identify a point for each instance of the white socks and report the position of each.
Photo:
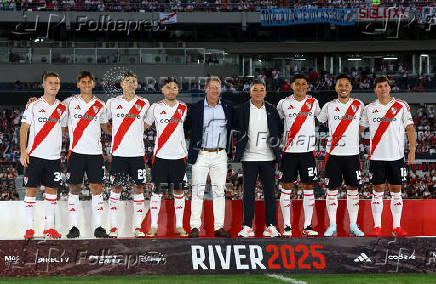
(29, 209)
(396, 208)
(179, 209)
(377, 207)
(285, 205)
(353, 205)
(332, 205)
(138, 210)
(51, 203)
(155, 201)
(97, 209)
(114, 199)
(308, 204)
(73, 202)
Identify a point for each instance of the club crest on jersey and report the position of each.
(59, 112)
(95, 109)
(354, 108)
(308, 105)
(394, 110)
(180, 112)
(26, 179)
(138, 107)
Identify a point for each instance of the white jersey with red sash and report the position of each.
(127, 125)
(386, 127)
(299, 120)
(170, 141)
(84, 124)
(343, 121)
(46, 122)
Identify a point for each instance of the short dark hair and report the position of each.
(84, 74)
(299, 76)
(212, 78)
(381, 79)
(256, 82)
(343, 76)
(169, 80)
(129, 74)
(47, 74)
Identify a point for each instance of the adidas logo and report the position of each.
(42, 110)
(290, 107)
(375, 111)
(397, 204)
(332, 204)
(77, 107)
(337, 109)
(100, 209)
(163, 112)
(362, 258)
(179, 207)
(139, 211)
(119, 107)
(72, 210)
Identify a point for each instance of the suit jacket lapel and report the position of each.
(268, 116)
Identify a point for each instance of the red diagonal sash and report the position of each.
(342, 127)
(386, 120)
(299, 120)
(84, 123)
(169, 129)
(48, 126)
(127, 121)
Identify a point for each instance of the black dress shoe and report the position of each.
(194, 233)
(221, 234)
(100, 233)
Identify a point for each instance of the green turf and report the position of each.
(225, 279)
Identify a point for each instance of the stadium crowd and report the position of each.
(192, 5)
(422, 177)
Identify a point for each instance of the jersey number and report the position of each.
(57, 176)
(142, 174)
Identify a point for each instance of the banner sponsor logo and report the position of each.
(296, 16)
(255, 257)
(12, 260)
(383, 13)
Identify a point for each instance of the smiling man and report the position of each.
(388, 118)
(342, 157)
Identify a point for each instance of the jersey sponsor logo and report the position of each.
(170, 120)
(384, 119)
(119, 107)
(301, 114)
(47, 119)
(26, 179)
(85, 116)
(344, 117)
(77, 107)
(129, 115)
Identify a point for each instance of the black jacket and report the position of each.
(241, 119)
(194, 127)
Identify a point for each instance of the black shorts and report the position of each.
(346, 167)
(168, 173)
(78, 164)
(43, 172)
(304, 164)
(394, 172)
(124, 169)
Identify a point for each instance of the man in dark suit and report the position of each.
(258, 125)
(209, 122)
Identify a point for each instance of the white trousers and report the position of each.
(214, 164)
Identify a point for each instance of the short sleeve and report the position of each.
(364, 121)
(407, 116)
(28, 115)
(280, 108)
(103, 114)
(108, 110)
(149, 118)
(317, 108)
(323, 115)
(146, 110)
